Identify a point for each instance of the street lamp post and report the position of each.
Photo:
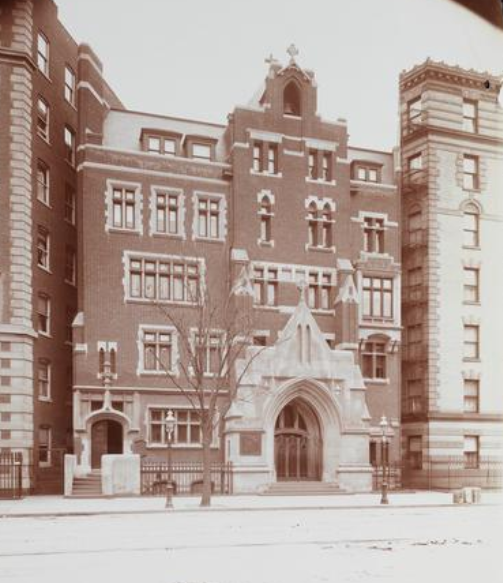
(384, 443)
(170, 428)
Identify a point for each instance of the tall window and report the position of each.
(69, 85)
(44, 445)
(157, 351)
(257, 156)
(373, 235)
(167, 213)
(471, 451)
(319, 290)
(43, 113)
(70, 315)
(163, 280)
(470, 172)
(43, 314)
(43, 248)
(187, 428)
(272, 159)
(471, 389)
(470, 116)
(377, 297)
(471, 226)
(44, 379)
(414, 396)
(326, 167)
(312, 225)
(415, 226)
(265, 284)
(208, 217)
(326, 227)
(265, 214)
(374, 360)
(207, 351)
(471, 342)
(414, 110)
(415, 452)
(43, 54)
(43, 177)
(70, 265)
(69, 136)
(471, 284)
(312, 164)
(70, 204)
(123, 208)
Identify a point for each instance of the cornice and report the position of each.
(16, 58)
(426, 129)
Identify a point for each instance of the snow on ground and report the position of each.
(374, 544)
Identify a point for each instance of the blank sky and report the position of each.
(200, 58)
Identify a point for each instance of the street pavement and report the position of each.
(58, 505)
(342, 543)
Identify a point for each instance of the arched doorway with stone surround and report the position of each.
(107, 432)
(305, 412)
(298, 443)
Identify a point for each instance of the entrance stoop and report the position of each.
(87, 486)
(302, 488)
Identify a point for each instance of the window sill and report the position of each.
(377, 320)
(157, 373)
(155, 301)
(44, 334)
(43, 268)
(70, 164)
(70, 104)
(471, 303)
(322, 311)
(44, 75)
(164, 446)
(320, 249)
(209, 239)
(320, 181)
(45, 139)
(177, 236)
(472, 191)
(71, 223)
(45, 399)
(474, 247)
(267, 308)
(266, 174)
(262, 243)
(467, 359)
(376, 381)
(70, 283)
(46, 204)
(120, 231)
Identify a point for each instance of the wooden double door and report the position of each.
(297, 443)
(106, 437)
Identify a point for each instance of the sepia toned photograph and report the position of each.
(251, 260)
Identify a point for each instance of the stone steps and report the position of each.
(302, 488)
(87, 486)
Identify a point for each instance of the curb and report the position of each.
(211, 509)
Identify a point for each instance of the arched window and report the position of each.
(101, 359)
(113, 361)
(471, 226)
(291, 99)
(312, 213)
(265, 213)
(326, 227)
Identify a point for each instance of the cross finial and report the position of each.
(293, 51)
(270, 59)
(302, 287)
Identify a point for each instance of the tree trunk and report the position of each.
(206, 496)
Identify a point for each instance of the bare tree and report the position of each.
(212, 336)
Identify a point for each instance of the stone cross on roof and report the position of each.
(293, 51)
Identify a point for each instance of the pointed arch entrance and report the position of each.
(298, 443)
(107, 437)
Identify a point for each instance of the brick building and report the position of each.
(116, 213)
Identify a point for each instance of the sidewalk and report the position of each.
(60, 506)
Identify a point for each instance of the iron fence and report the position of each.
(441, 474)
(11, 475)
(186, 478)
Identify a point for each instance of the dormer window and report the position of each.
(201, 151)
(161, 145)
(291, 99)
(367, 173)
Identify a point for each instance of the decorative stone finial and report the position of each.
(293, 51)
(270, 59)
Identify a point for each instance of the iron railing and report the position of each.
(443, 473)
(186, 477)
(11, 475)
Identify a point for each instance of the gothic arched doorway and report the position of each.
(106, 438)
(297, 442)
